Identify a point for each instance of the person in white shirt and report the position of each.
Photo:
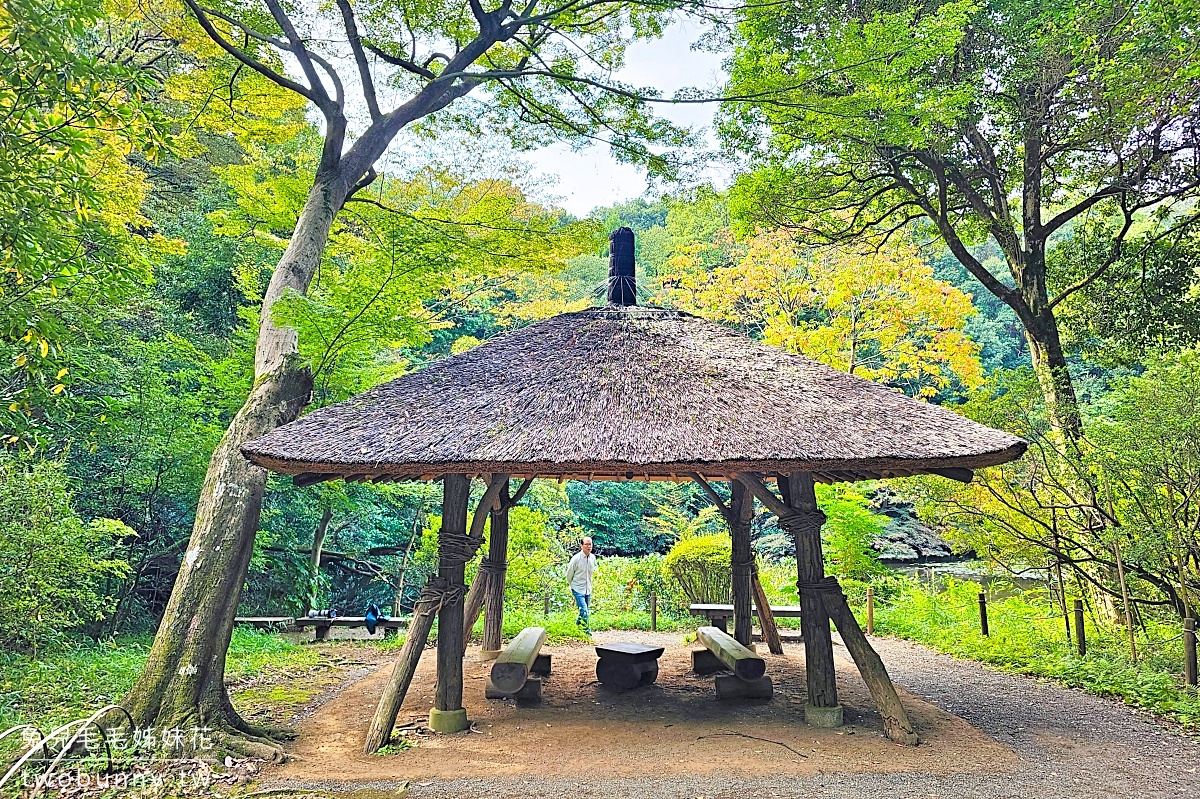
(579, 578)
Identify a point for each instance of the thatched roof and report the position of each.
(629, 392)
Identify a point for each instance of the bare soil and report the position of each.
(673, 728)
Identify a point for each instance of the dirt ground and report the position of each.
(674, 727)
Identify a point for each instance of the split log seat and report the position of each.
(321, 625)
(722, 652)
(627, 665)
(511, 673)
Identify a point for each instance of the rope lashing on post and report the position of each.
(489, 566)
(438, 593)
(797, 524)
(743, 568)
(457, 549)
(826, 585)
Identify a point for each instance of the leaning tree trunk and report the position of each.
(182, 683)
(314, 557)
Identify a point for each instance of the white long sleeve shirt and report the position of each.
(579, 572)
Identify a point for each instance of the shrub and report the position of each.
(625, 584)
(701, 567)
(50, 572)
(532, 557)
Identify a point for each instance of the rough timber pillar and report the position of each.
(741, 510)
(496, 563)
(803, 523)
(448, 714)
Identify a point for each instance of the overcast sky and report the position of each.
(591, 177)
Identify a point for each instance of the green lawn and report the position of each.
(61, 686)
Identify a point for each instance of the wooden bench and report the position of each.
(267, 622)
(519, 669)
(626, 665)
(719, 615)
(722, 652)
(321, 625)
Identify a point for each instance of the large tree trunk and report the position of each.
(182, 683)
(1050, 366)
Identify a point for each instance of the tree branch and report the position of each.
(301, 52)
(360, 58)
(259, 67)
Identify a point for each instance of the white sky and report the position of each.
(592, 177)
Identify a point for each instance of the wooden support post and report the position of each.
(801, 517)
(653, 612)
(895, 720)
(983, 623)
(804, 524)
(497, 558)
(1189, 651)
(448, 714)
(870, 610)
(473, 605)
(765, 618)
(402, 673)
(1080, 633)
(741, 563)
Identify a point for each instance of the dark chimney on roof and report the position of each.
(622, 285)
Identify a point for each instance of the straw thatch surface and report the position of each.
(629, 392)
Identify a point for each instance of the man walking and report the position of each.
(579, 578)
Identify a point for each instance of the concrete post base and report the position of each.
(488, 654)
(448, 721)
(828, 717)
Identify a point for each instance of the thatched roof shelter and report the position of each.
(623, 392)
(630, 392)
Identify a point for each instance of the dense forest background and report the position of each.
(152, 184)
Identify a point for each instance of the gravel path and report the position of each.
(1068, 744)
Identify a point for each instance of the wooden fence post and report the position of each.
(870, 610)
(1189, 651)
(1080, 633)
(983, 622)
(653, 612)
(1125, 599)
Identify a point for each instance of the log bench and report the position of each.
(518, 671)
(719, 615)
(722, 652)
(627, 665)
(321, 625)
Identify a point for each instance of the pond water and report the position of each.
(975, 571)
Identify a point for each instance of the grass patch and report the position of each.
(395, 748)
(1028, 638)
(274, 696)
(59, 686)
